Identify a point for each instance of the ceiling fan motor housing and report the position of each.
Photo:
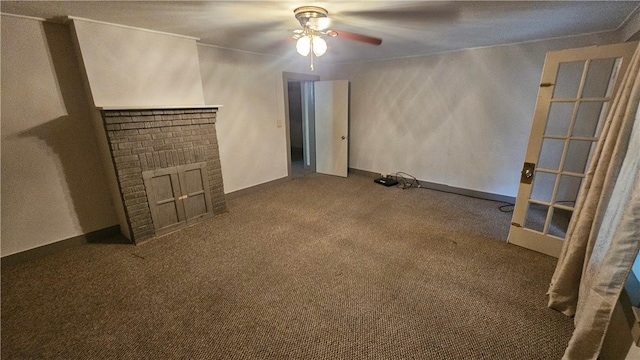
(304, 13)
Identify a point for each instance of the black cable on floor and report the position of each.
(502, 208)
(404, 183)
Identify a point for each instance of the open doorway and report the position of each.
(296, 133)
(299, 111)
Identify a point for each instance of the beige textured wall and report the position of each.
(130, 67)
(251, 126)
(461, 118)
(52, 182)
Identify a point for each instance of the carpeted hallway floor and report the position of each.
(317, 268)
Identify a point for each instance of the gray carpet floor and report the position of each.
(316, 268)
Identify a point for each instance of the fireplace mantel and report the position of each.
(158, 107)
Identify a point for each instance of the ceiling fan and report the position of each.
(315, 23)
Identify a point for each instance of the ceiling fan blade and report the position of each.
(355, 37)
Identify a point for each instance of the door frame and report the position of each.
(286, 77)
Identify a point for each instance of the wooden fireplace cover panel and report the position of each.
(178, 196)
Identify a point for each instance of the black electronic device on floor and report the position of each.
(386, 181)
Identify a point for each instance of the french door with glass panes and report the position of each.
(576, 91)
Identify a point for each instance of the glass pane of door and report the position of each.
(536, 217)
(598, 82)
(591, 116)
(543, 184)
(568, 80)
(559, 118)
(568, 189)
(551, 154)
(577, 156)
(559, 222)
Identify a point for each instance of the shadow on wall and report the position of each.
(76, 167)
(72, 138)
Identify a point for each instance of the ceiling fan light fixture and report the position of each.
(303, 46)
(319, 46)
(309, 43)
(315, 22)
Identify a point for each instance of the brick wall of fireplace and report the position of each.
(153, 139)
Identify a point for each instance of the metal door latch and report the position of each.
(526, 177)
(183, 197)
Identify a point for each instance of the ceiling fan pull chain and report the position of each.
(311, 61)
(311, 52)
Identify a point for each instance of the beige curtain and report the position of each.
(604, 233)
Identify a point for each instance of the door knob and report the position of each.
(526, 176)
(343, 137)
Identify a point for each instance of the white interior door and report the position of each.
(575, 93)
(332, 127)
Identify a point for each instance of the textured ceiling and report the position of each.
(408, 28)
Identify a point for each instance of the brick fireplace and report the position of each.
(167, 167)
